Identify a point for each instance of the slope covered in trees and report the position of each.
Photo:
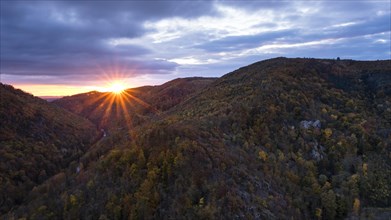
(282, 138)
(37, 141)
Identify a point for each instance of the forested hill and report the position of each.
(278, 139)
(303, 137)
(37, 141)
(134, 106)
(367, 81)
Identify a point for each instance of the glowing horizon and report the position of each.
(103, 85)
(62, 90)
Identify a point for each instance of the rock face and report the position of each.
(317, 152)
(310, 124)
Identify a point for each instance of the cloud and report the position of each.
(269, 29)
(73, 41)
(234, 43)
(56, 38)
(226, 22)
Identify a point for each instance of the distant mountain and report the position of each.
(50, 98)
(133, 106)
(278, 139)
(37, 140)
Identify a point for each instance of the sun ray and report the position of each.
(117, 105)
(143, 103)
(100, 99)
(111, 99)
(125, 111)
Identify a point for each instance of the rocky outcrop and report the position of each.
(310, 124)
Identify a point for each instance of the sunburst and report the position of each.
(118, 104)
(117, 101)
(116, 87)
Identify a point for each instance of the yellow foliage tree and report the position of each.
(318, 213)
(73, 200)
(356, 206)
(327, 132)
(365, 168)
(262, 155)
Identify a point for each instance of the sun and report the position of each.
(116, 87)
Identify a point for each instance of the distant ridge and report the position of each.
(50, 98)
(107, 110)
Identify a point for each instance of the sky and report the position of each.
(66, 47)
